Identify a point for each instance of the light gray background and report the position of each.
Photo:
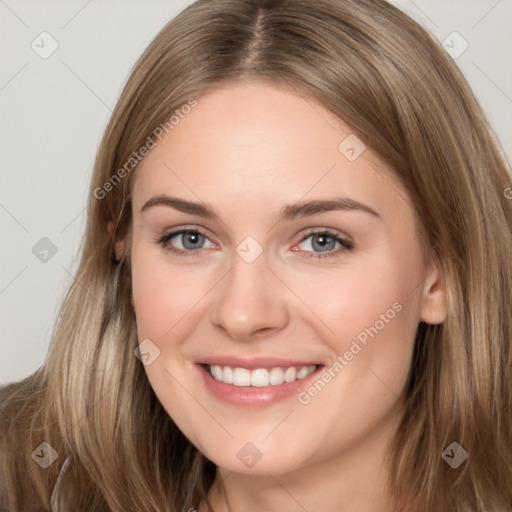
(54, 110)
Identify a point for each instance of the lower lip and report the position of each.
(252, 396)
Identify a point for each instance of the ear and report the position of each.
(119, 243)
(433, 308)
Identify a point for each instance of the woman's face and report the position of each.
(302, 253)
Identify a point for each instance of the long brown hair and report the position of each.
(388, 79)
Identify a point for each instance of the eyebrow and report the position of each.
(288, 212)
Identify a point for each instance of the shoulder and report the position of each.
(12, 404)
(9, 411)
(26, 485)
(19, 402)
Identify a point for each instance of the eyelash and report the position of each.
(347, 246)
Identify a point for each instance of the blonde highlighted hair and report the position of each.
(387, 78)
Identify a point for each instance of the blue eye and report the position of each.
(192, 241)
(323, 243)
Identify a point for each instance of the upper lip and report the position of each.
(252, 363)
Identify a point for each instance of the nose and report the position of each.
(250, 301)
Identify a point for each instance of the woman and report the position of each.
(295, 284)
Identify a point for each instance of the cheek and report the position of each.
(165, 297)
(355, 298)
(369, 314)
(163, 294)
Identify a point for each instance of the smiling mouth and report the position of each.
(259, 377)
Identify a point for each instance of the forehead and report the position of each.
(249, 141)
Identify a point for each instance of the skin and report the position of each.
(247, 150)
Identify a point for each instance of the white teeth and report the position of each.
(241, 377)
(227, 375)
(259, 377)
(290, 374)
(276, 376)
(301, 373)
(217, 372)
